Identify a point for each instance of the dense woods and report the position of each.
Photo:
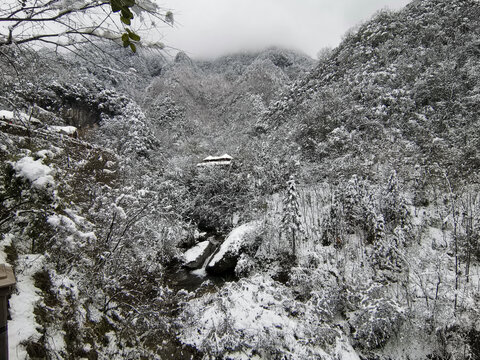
(346, 225)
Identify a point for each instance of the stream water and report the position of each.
(190, 280)
(180, 277)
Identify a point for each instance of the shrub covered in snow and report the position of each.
(376, 317)
(255, 317)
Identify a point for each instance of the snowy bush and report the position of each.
(255, 316)
(215, 195)
(319, 287)
(377, 316)
(245, 266)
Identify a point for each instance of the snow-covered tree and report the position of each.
(291, 224)
(394, 204)
(69, 23)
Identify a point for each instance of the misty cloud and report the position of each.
(208, 28)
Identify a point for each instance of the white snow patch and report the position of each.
(66, 287)
(23, 326)
(6, 115)
(225, 159)
(119, 211)
(234, 241)
(56, 341)
(63, 221)
(193, 253)
(80, 220)
(199, 272)
(54, 220)
(45, 153)
(10, 115)
(67, 130)
(35, 171)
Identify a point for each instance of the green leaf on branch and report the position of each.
(126, 13)
(133, 36)
(116, 5)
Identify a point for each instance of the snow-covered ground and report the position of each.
(22, 326)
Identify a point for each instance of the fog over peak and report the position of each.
(210, 28)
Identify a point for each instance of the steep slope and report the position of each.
(403, 88)
(211, 99)
(378, 260)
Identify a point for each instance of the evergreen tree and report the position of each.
(291, 224)
(395, 208)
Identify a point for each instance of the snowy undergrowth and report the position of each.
(61, 201)
(23, 327)
(255, 318)
(393, 298)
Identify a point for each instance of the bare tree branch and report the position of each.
(72, 22)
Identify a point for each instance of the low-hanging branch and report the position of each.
(73, 21)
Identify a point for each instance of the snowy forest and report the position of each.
(261, 205)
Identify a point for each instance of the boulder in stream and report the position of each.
(195, 257)
(239, 240)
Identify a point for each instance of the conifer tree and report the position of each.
(291, 224)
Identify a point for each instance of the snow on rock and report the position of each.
(10, 116)
(23, 326)
(226, 257)
(45, 154)
(35, 171)
(67, 130)
(225, 159)
(194, 257)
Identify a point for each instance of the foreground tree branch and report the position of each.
(65, 23)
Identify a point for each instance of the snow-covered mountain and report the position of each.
(346, 220)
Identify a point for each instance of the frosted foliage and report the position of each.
(255, 316)
(376, 322)
(291, 224)
(245, 266)
(35, 171)
(65, 23)
(382, 215)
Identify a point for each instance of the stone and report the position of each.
(195, 257)
(238, 241)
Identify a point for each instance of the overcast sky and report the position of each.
(209, 28)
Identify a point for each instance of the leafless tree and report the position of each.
(70, 23)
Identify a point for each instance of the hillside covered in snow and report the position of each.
(344, 225)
